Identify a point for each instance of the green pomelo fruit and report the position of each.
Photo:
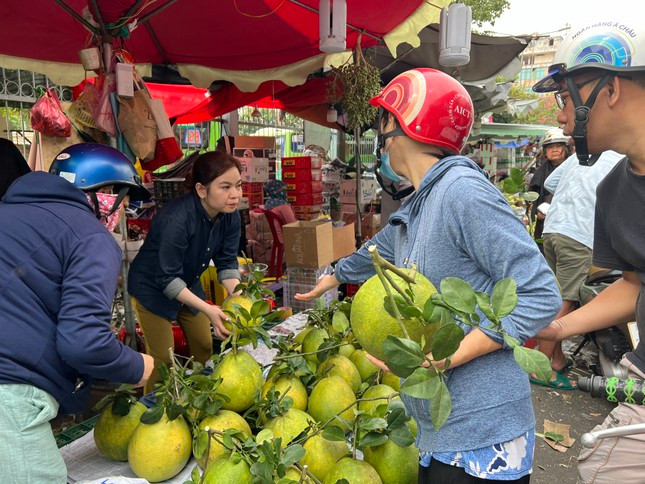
(390, 379)
(289, 425)
(353, 471)
(328, 398)
(159, 451)
(364, 366)
(341, 366)
(369, 407)
(112, 432)
(230, 303)
(395, 465)
(312, 341)
(242, 380)
(297, 390)
(372, 324)
(228, 469)
(224, 420)
(321, 455)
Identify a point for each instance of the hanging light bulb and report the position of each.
(333, 25)
(256, 113)
(454, 35)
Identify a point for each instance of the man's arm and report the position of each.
(614, 305)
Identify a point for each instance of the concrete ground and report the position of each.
(574, 408)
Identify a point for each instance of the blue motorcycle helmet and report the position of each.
(92, 166)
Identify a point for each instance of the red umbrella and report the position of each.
(243, 41)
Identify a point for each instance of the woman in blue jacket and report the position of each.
(458, 224)
(184, 237)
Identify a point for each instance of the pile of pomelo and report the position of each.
(313, 384)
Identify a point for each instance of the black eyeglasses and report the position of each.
(562, 101)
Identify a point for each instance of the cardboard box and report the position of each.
(348, 191)
(306, 199)
(302, 162)
(255, 169)
(306, 209)
(344, 241)
(295, 188)
(290, 175)
(308, 244)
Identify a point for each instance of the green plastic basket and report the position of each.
(75, 432)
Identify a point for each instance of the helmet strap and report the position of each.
(117, 201)
(581, 117)
(390, 188)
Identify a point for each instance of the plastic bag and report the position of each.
(137, 124)
(102, 113)
(167, 149)
(48, 118)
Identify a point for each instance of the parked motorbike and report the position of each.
(613, 342)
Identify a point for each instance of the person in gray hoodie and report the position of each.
(458, 224)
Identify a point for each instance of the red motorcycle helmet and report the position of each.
(431, 107)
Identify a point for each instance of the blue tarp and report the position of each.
(512, 144)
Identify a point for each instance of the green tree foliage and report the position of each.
(487, 11)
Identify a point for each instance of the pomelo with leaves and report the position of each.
(353, 471)
(341, 366)
(224, 420)
(241, 379)
(394, 464)
(372, 323)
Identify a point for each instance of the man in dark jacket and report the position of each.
(58, 274)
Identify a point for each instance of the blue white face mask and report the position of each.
(386, 168)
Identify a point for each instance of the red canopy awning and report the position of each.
(207, 40)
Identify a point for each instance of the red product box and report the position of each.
(290, 175)
(306, 199)
(297, 188)
(302, 162)
(252, 187)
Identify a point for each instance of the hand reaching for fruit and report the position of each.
(325, 283)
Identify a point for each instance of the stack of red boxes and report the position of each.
(252, 191)
(303, 176)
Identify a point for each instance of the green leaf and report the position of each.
(530, 196)
(200, 401)
(389, 308)
(121, 405)
(440, 406)
(483, 301)
(370, 424)
(397, 418)
(152, 415)
(339, 322)
(195, 475)
(200, 443)
(423, 383)
(428, 309)
(511, 342)
(175, 410)
(510, 186)
(263, 470)
(402, 355)
(517, 176)
(402, 436)
(446, 341)
(333, 433)
(260, 308)
(504, 297)
(533, 361)
(412, 312)
(373, 439)
(458, 294)
(264, 435)
(320, 303)
(227, 440)
(292, 454)
(555, 437)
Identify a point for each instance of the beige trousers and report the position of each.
(157, 332)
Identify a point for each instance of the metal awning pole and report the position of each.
(131, 338)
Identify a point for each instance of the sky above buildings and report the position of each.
(545, 16)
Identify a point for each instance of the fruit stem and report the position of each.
(355, 436)
(387, 265)
(173, 373)
(305, 472)
(378, 261)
